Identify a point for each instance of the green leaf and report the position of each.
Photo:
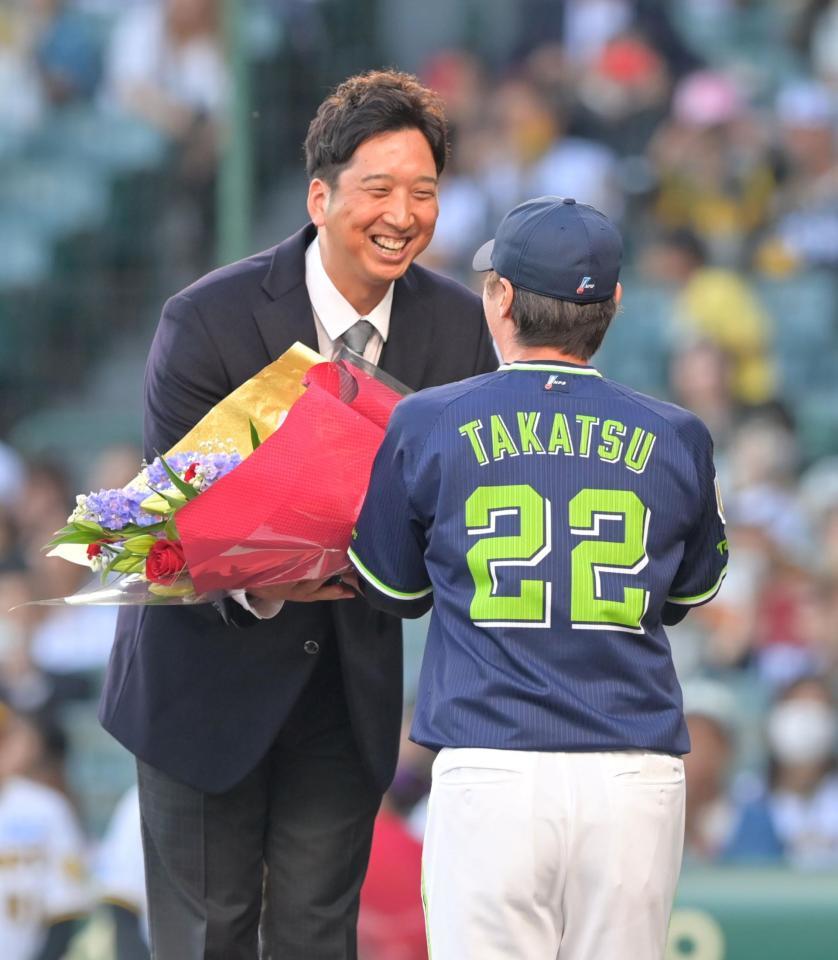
(87, 525)
(70, 528)
(135, 530)
(128, 564)
(171, 530)
(254, 435)
(140, 545)
(80, 537)
(188, 491)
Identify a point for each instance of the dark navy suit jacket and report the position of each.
(186, 692)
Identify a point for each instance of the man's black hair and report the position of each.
(380, 101)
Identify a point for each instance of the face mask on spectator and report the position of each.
(801, 731)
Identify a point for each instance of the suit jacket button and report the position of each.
(311, 646)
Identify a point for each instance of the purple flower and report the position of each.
(115, 509)
(211, 466)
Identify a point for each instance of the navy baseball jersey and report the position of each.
(556, 520)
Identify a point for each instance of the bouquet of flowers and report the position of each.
(264, 490)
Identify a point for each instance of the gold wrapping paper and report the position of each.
(263, 399)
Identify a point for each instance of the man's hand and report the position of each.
(304, 591)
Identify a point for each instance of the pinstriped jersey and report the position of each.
(558, 519)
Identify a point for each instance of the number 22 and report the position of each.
(589, 560)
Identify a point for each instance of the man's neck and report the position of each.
(363, 297)
(541, 353)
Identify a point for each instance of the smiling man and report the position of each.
(271, 747)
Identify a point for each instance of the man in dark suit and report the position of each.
(271, 746)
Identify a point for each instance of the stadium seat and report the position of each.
(805, 322)
(114, 143)
(56, 197)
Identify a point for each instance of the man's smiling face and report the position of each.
(379, 216)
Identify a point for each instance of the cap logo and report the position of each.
(586, 283)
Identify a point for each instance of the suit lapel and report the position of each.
(410, 341)
(287, 316)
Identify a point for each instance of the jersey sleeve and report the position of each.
(388, 542)
(704, 563)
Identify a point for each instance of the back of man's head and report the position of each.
(563, 261)
(380, 101)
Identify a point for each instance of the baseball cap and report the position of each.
(556, 247)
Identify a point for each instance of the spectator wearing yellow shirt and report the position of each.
(716, 304)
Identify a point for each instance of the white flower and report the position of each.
(80, 512)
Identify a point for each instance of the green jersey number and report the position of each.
(589, 560)
(531, 607)
(593, 557)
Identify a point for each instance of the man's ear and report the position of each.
(317, 201)
(507, 298)
(618, 292)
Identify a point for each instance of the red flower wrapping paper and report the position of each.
(286, 513)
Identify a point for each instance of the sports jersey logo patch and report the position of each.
(555, 382)
(586, 283)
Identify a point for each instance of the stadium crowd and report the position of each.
(707, 130)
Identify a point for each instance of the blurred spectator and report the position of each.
(624, 95)
(701, 379)
(806, 232)
(12, 475)
(68, 642)
(43, 885)
(391, 921)
(584, 28)
(65, 51)
(710, 712)
(713, 168)
(459, 77)
(521, 149)
(819, 497)
(714, 303)
(26, 686)
(795, 817)
(824, 41)
(44, 504)
(21, 99)
(165, 65)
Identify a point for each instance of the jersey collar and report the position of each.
(548, 367)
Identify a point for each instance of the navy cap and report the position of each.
(557, 248)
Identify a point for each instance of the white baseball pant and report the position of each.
(552, 856)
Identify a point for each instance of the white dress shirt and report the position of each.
(333, 316)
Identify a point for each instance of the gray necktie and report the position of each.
(358, 334)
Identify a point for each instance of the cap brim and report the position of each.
(483, 258)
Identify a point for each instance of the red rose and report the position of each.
(94, 549)
(191, 470)
(165, 562)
